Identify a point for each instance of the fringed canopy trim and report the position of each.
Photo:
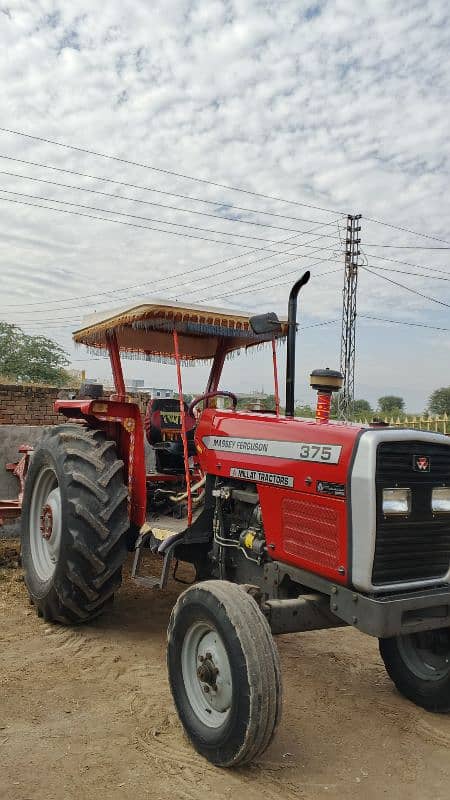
(145, 331)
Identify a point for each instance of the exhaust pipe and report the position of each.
(292, 330)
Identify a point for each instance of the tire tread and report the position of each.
(261, 665)
(95, 527)
(426, 694)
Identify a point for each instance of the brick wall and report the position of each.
(33, 405)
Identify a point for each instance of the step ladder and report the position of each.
(158, 540)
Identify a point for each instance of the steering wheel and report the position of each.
(208, 395)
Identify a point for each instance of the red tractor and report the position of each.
(291, 524)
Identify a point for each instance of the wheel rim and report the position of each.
(427, 655)
(45, 523)
(207, 674)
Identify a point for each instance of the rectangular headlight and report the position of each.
(440, 499)
(396, 501)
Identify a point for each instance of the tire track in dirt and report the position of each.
(188, 767)
(90, 709)
(434, 733)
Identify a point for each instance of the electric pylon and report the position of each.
(348, 337)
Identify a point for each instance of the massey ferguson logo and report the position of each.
(421, 464)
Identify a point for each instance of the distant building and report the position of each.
(253, 401)
(138, 385)
(164, 393)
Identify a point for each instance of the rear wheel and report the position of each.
(224, 672)
(74, 521)
(419, 665)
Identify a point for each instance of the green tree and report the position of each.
(439, 402)
(304, 411)
(269, 401)
(361, 408)
(334, 411)
(391, 404)
(31, 359)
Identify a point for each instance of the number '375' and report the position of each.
(315, 452)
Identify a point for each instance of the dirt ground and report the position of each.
(87, 713)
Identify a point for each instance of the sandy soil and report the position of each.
(87, 713)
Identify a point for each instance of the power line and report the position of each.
(184, 176)
(406, 272)
(195, 270)
(146, 219)
(163, 171)
(404, 322)
(256, 272)
(47, 323)
(407, 263)
(180, 274)
(333, 321)
(406, 230)
(188, 292)
(407, 246)
(407, 288)
(104, 179)
(236, 221)
(185, 293)
(133, 224)
(254, 288)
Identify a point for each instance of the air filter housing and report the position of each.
(325, 382)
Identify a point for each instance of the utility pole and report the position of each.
(348, 337)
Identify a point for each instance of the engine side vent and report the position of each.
(311, 532)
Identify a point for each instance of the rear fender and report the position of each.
(122, 422)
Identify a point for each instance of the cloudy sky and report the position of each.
(312, 109)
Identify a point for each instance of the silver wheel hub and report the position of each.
(207, 674)
(45, 523)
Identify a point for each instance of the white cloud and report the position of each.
(336, 104)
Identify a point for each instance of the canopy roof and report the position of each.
(145, 330)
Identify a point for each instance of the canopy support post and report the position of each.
(217, 366)
(116, 366)
(183, 428)
(275, 379)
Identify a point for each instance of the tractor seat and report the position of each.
(163, 430)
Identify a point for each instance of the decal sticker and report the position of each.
(295, 451)
(263, 477)
(335, 489)
(421, 464)
(170, 417)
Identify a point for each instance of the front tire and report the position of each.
(419, 665)
(74, 521)
(224, 672)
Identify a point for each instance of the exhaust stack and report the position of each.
(292, 330)
(325, 382)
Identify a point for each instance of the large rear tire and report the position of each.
(74, 521)
(419, 665)
(224, 672)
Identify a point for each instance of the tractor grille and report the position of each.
(416, 547)
(311, 532)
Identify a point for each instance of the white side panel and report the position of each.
(294, 451)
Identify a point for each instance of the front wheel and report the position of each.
(419, 665)
(224, 672)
